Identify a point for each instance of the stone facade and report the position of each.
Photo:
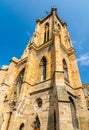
(42, 90)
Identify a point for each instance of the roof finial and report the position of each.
(54, 9)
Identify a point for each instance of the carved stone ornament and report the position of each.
(34, 37)
(32, 40)
(56, 27)
(12, 103)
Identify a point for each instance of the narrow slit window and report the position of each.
(55, 121)
(43, 69)
(66, 77)
(46, 33)
(20, 80)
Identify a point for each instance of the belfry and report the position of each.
(42, 90)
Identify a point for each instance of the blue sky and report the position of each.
(17, 24)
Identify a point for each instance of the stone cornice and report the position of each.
(42, 46)
(39, 87)
(5, 84)
(71, 94)
(69, 51)
(67, 83)
(42, 90)
(50, 79)
(21, 61)
(72, 87)
(3, 69)
(15, 60)
(63, 101)
(37, 83)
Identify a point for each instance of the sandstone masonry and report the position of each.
(42, 90)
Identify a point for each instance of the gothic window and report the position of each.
(21, 126)
(73, 113)
(43, 69)
(20, 80)
(36, 123)
(17, 88)
(46, 33)
(66, 77)
(55, 120)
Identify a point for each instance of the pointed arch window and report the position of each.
(65, 68)
(36, 123)
(21, 126)
(20, 80)
(17, 88)
(73, 113)
(46, 33)
(43, 69)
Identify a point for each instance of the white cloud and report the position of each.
(78, 44)
(84, 59)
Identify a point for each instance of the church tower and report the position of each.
(42, 90)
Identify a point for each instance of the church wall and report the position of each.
(33, 65)
(64, 101)
(82, 109)
(65, 119)
(29, 109)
